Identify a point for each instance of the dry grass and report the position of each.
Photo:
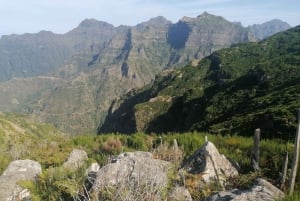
(172, 153)
(112, 145)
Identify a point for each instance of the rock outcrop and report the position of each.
(133, 175)
(261, 190)
(91, 175)
(211, 164)
(18, 170)
(139, 176)
(75, 160)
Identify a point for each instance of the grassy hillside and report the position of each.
(22, 137)
(102, 147)
(234, 90)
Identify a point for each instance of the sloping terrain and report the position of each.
(264, 30)
(23, 136)
(233, 90)
(96, 62)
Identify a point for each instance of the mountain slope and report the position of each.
(233, 90)
(18, 93)
(39, 54)
(102, 62)
(269, 28)
(22, 137)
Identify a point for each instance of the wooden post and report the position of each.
(284, 170)
(175, 145)
(255, 150)
(295, 157)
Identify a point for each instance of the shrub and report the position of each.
(139, 142)
(112, 145)
(57, 184)
(168, 153)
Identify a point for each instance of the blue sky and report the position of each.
(60, 16)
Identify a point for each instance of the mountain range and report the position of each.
(233, 90)
(70, 80)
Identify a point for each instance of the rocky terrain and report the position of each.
(140, 176)
(74, 80)
(71, 79)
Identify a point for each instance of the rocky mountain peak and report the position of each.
(159, 19)
(93, 27)
(206, 19)
(87, 23)
(269, 28)
(202, 16)
(156, 21)
(205, 14)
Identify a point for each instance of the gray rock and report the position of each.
(260, 191)
(91, 175)
(133, 176)
(75, 160)
(210, 163)
(17, 171)
(94, 167)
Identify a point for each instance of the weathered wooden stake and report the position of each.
(175, 145)
(295, 157)
(255, 150)
(284, 170)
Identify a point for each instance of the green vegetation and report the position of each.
(70, 80)
(22, 138)
(234, 90)
(100, 148)
(225, 97)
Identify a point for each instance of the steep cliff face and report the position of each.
(233, 90)
(98, 62)
(199, 37)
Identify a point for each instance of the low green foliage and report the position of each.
(232, 91)
(21, 139)
(57, 184)
(294, 197)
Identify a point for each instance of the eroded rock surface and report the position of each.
(17, 171)
(260, 191)
(76, 159)
(134, 176)
(210, 163)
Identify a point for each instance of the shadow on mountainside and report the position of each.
(178, 35)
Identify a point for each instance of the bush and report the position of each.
(112, 145)
(166, 152)
(139, 141)
(58, 184)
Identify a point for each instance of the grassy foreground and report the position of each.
(24, 138)
(53, 151)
